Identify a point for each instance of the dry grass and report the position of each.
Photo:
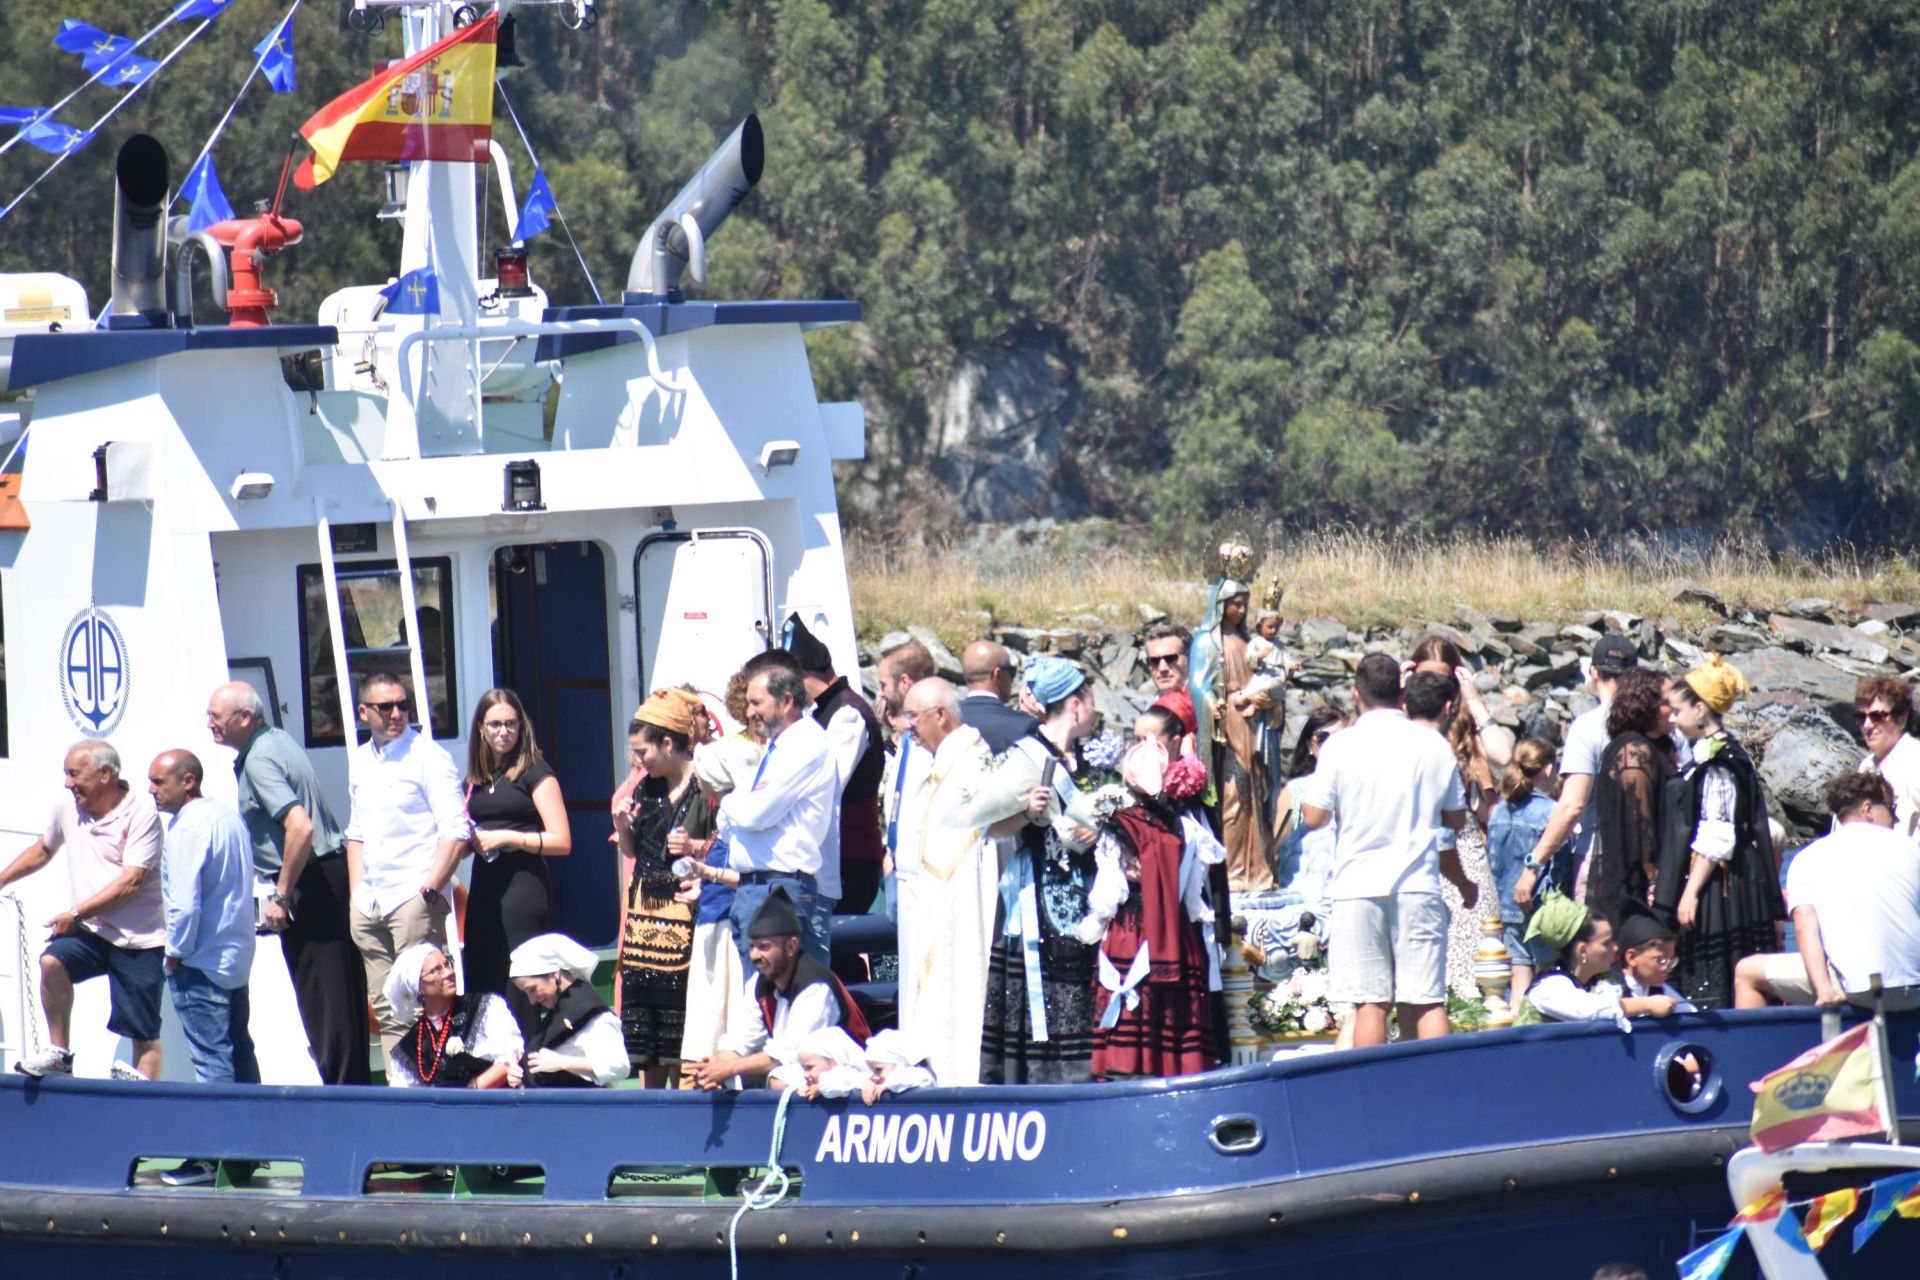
(1360, 578)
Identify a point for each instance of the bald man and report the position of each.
(206, 890)
(989, 670)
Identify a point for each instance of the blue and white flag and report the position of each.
(132, 69)
(416, 293)
(1710, 1259)
(276, 56)
(20, 115)
(209, 202)
(536, 215)
(53, 137)
(96, 48)
(200, 9)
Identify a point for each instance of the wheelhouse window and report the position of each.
(373, 619)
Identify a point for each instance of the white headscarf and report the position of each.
(894, 1046)
(403, 980)
(552, 953)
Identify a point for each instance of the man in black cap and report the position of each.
(853, 738)
(1613, 655)
(790, 996)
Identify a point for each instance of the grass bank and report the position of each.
(1057, 575)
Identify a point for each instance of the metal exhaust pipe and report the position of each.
(140, 228)
(678, 236)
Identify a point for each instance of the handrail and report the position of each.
(531, 329)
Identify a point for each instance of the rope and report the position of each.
(772, 1188)
(53, 110)
(125, 98)
(26, 970)
(578, 256)
(218, 129)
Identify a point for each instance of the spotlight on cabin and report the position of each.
(249, 486)
(778, 453)
(523, 487)
(510, 272)
(396, 202)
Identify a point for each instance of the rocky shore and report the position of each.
(1803, 662)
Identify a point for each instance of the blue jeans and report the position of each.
(815, 927)
(215, 1021)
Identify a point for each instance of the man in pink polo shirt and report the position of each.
(116, 927)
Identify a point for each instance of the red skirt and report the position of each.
(1173, 1031)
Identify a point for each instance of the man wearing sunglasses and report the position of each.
(405, 834)
(1165, 646)
(1885, 707)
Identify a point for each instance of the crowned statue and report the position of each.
(1232, 704)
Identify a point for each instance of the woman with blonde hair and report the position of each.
(1526, 802)
(520, 820)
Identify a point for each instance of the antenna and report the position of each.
(286, 171)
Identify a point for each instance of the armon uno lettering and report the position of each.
(884, 1137)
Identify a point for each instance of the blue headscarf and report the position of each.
(1051, 678)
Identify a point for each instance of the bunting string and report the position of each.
(578, 256)
(265, 50)
(99, 71)
(1823, 1215)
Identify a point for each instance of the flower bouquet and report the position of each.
(1294, 1008)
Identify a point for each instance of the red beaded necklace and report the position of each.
(439, 1047)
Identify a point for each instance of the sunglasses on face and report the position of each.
(386, 708)
(1163, 660)
(1874, 715)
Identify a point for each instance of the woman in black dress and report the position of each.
(1630, 797)
(520, 820)
(669, 818)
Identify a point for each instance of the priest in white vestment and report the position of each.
(950, 883)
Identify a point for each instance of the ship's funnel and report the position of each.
(679, 235)
(140, 228)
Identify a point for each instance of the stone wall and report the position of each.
(1803, 663)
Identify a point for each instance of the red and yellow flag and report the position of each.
(436, 105)
(1826, 1213)
(1829, 1092)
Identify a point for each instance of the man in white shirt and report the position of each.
(1855, 900)
(1885, 707)
(1580, 755)
(788, 996)
(1389, 786)
(778, 826)
(406, 834)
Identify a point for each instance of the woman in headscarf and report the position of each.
(1718, 880)
(1629, 796)
(669, 818)
(1577, 987)
(575, 1040)
(456, 1041)
(1227, 741)
(1153, 1000)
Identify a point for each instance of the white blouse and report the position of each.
(493, 1035)
(603, 1043)
(1558, 998)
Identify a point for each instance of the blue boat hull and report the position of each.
(1466, 1155)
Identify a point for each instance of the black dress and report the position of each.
(511, 898)
(656, 935)
(1629, 803)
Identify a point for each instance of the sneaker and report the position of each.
(191, 1173)
(48, 1062)
(127, 1071)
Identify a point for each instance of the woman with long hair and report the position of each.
(1289, 834)
(1629, 796)
(1526, 803)
(520, 820)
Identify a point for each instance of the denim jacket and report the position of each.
(1512, 832)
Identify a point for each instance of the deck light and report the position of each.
(523, 487)
(778, 453)
(250, 485)
(510, 272)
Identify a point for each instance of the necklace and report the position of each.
(439, 1047)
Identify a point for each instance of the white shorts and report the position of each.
(1786, 973)
(1388, 950)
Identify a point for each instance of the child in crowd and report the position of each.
(1526, 802)
(1650, 948)
(827, 1063)
(1578, 986)
(896, 1065)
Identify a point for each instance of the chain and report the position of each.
(26, 969)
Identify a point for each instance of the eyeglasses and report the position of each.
(1164, 659)
(499, 726)
(386, 708)
(1874, 715)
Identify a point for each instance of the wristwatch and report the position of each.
(1533, 866)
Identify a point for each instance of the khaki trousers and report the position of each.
(380, 939)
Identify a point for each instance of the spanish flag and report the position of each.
(436, 105)
(1831, 1091)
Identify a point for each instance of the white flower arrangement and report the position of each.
(1296, 1006)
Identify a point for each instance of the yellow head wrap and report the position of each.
(674, 710)
(1718, 684)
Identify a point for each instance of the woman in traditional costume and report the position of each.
(456, 1041)
(1718, 881)
(715, 974)
(1157, 971)
(1226, 740)
(575, 1040)
(520, 820)
(1630, 797)
(670, 818)
(1038, 1023)
(1579, 986)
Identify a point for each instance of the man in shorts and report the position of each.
(115, 928)
(1389, 786)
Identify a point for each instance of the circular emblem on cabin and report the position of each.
(93, 672)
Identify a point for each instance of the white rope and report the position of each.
(772, 1188)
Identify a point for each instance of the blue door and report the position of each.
(550, 647)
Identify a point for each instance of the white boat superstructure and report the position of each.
(579, 503)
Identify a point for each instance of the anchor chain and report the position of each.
(772, 1188)
(26, 958)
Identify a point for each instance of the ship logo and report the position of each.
(93, 672)
(1803, 1090)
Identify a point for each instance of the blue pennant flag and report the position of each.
(97, 48)
(536, 215)
(209, 202)
(130, 70)
(416, 293)
(20, 115)
(1887, 1193)
(200, 9)
(276, 56)
(1710, 1259)
(53, 137)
